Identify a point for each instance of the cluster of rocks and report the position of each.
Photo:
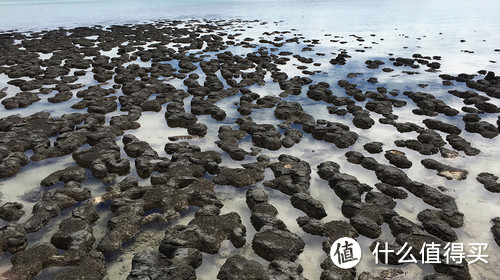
(147, 160)
(273, 241)
(189, 176)
(429, 105)
(74, 236)
(263, 135)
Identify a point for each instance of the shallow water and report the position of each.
(402, 28)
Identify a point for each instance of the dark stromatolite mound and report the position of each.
(238, 177)
(11, 211)
(53, 201)
(373, 147)
(292, 112)
(13, 238)
(495, 229)
(436, 223)
(18, 135)
(430, 105)
(75, 232)
(104, 160)
(263, 213)
(333, 230)
(332, 132)
(489, 181)
(29, 263)
(485, 129)
(263, 135)
(11, 164)
(389, 273)
(205, 233)
(398, 159)
(73, 173)
(391, 191)
(151, 264)
(312, 207)
(292, 137)
(20, 100)
(442, 126)
(147, 159)
(292, 175)
(273, 241)
(130, 202)
(229, 142)
(277, 244)
(489, 85)
(367, 217)
(428, 142)
(450, 173)
(460, 144)
(187, 160)
(177, 117)
(239, 268)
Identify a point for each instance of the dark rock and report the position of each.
(495, 229)
(27, 264)
(430, 105)
(229, 142)
(238, 177)
(445, 170)
(447, 153)
(274, 244)
(292, 175)
(332, 132)
(422, 148)
(11, 164)
(456, 271)
(292, 137)
(148, 264)
(489, 181)
(205, 233)
(460, 144)
(13, 238)
(239, 268)
(72, 173)
(441, 126)
(432, 222)
(373, 147)
(485, 129)
(198, 129)
(312, 207)
(438, 276)
(327, 169)
(11, 211)
(263, 135)
(391, 191)
(398, 159)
